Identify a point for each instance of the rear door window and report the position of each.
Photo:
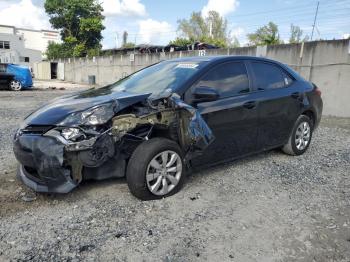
(268, 76)
(227, 79)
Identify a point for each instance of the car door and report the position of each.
(232, 117)
(279, 103)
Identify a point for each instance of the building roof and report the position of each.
(27, 29)
(7, 26)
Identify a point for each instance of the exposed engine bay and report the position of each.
(102, 151)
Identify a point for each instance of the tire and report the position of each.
(15, 85)
(142, 163)
(299, 133)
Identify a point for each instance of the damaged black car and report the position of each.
(158, 123)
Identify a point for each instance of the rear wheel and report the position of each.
(15, 85)
(155, 169)
(300, 137)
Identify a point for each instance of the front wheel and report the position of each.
(15, 85)
(155, 169)
(300, 137)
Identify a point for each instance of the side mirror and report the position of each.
(204, 94)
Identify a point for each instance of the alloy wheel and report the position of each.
(164, 172)
(302, 135)
(15, 85)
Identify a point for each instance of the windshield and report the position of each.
(159, 79)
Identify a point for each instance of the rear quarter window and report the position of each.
(269, 76)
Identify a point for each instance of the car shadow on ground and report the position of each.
(193, 176)
(89, 189)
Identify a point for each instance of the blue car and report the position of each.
(15, 77)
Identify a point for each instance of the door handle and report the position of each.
(296, 95)
(250, 105)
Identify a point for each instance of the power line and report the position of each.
(321, 19)
(300, 7)
(329, 19)
(301, 23)
(301, 16)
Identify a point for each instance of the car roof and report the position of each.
(227, 58)
(219, 58)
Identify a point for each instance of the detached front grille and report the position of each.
(36, 130)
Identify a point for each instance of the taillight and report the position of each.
(318, 91)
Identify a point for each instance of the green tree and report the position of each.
(80, 24)
(295, 34)
(211, 29)
(180, 41)
(128, 45)
(55, 50)
(266, 35)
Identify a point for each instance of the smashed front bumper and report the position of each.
(41, 164)
(50, 163)
(29, 180)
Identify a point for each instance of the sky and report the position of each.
(155, 21)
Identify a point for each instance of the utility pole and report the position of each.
(210, 28)
(135, 43)
(116, 39)
(125, 38)
(313, 26)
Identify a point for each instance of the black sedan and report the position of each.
(158, 123)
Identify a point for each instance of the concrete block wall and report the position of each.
(326, 63)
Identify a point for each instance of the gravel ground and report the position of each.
(267, 207)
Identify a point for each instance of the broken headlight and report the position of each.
(97, 115)
(71, 133)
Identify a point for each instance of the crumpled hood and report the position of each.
(58, 109)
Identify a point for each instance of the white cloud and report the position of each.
(155, 32)
(123, 8)
(223, 7)
(346, 36)
(24, 14)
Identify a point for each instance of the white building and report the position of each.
(24, 46)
